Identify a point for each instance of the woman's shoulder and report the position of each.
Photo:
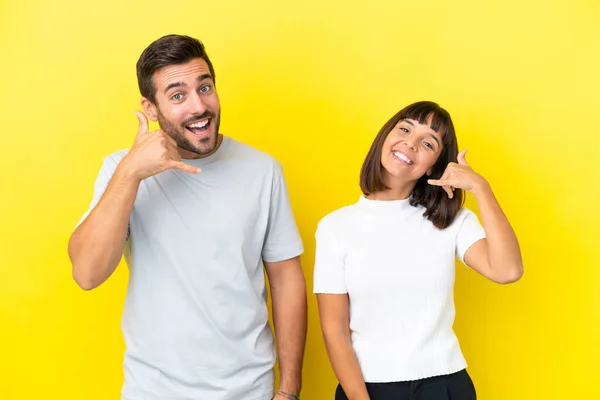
(463, 214)
(339, 218)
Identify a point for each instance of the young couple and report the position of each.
(198, 215)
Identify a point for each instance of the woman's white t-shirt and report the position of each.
(398, 270)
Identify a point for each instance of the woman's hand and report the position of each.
(459, 175)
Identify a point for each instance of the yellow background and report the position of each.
(311, 82)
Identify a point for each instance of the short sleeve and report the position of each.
(328, 275)
(107, 170)
(469, 232)
(282, 239)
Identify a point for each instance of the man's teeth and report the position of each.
(402, 157)
(199, 125)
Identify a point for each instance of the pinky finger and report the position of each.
(449, 191)
(181, 166)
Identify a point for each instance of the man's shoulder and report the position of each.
(111, 161)
(253, 156)
(116, 157)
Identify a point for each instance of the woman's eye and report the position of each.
(404, 130)
(428, 145)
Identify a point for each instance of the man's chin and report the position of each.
(200, 146)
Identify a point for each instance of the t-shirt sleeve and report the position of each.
(282, 239)
(469, 232)
(328, 275)
(107, 170)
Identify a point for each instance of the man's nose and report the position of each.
(196, 104)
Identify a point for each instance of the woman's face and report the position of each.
(410, 151)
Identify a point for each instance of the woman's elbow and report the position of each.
(333, 332)
(511, 275)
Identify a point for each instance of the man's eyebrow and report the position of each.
(173, 85)
(180, 84)
(203, 77)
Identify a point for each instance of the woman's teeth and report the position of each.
(402, 157)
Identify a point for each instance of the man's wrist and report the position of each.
(290, 386)
(126, 174)
(289, 395)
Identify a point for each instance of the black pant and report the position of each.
(457, 386)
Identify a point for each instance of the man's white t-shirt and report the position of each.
(195, 320)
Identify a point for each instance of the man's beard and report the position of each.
(203, 146)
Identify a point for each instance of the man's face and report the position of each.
(187, 107)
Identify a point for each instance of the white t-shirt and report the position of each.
(195, 321)
(398, 271)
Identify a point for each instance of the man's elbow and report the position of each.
(290, 280)
(87, 272)
(86, 269)
(87, 286)
(84, 280)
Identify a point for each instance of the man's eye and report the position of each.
(177, 96)
(205, 89)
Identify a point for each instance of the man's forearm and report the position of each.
(96, 246)
(289, 315)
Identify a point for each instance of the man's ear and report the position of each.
(149, 109)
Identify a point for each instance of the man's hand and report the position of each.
(153, 153)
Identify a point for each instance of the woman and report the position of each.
(384, 266)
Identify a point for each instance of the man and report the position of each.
(197, 214)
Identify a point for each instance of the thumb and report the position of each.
(461, 158)
(143, 122)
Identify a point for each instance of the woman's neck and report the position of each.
(395, 192)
